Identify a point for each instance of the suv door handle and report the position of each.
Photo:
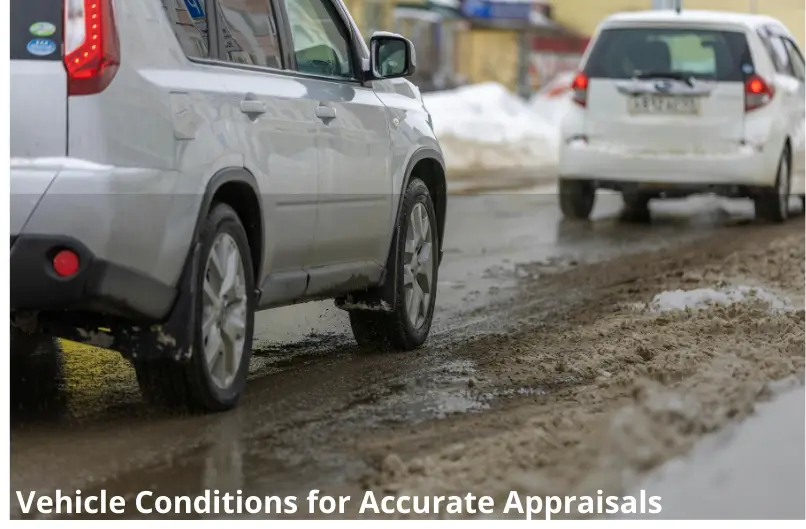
(325, 112)
(253, 106)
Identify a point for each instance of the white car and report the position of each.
(670, 104)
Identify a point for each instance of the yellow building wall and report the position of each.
(360, 9)
(486, 55)
(584, 15)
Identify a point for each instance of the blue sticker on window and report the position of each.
(747, 68)
(41, 47)
(195, 8)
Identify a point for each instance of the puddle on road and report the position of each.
(434, 393)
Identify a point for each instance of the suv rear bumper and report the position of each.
(129, 226)
(97, 286)
(744, 167)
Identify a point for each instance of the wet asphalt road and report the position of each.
(312, 391)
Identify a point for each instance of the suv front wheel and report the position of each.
(408, 323)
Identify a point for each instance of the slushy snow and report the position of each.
(484, 126)
(703, 298)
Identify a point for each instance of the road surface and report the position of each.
(526, 329)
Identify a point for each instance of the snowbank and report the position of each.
(551, 110)
(703, 298)
(484, 127)
(752, 472)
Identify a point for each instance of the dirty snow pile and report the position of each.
(486, 127)
(703, 298)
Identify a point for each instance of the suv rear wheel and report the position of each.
(36, 374)
(214, 377)
(408, 324)
(577, 198)
(772, 205)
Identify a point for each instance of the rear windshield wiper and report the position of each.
(665, 75)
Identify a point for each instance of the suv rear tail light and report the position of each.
(66, 263)
(757, 93)
(580, 89)
(91, 45)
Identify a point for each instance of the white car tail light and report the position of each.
(757, 93)
(580, 88)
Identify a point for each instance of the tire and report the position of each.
(577, 198)
(772, 205)
(196, 384)
(36, 375)
(636, 208)
(396, 330)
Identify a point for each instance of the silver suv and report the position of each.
(178, 165)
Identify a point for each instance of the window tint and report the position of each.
(710, 54)
(321, 41)
(36, 30)
(796, 59)
(776, 51)
(781, 56)
(249, 32)
(190, 26)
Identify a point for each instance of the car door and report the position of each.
(355, 186)
(798, 133)
(276, 128)
(787, 86)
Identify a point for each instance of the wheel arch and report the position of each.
(238, 188)
(428, 165)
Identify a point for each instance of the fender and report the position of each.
(384, 297)
(424, 153)
(179, 327)
(224, 176)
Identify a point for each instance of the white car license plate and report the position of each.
(664, 105)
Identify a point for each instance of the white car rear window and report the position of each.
(624, 53)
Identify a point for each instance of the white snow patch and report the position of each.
(484, 126)
(703, 298)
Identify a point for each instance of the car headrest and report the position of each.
(652, 56)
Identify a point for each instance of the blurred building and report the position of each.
(582, 16)
(511, 42)
(524, 44)
(372, 15)
(434, 26)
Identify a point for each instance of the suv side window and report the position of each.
(795, 59)
(321, 39)
(189, 23)
(249, 32)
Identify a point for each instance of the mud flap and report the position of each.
(382, 298)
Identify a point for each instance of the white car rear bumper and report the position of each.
(744, 167)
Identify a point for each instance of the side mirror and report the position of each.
(391, 56)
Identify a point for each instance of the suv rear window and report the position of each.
(623, 53)
(36, 30)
